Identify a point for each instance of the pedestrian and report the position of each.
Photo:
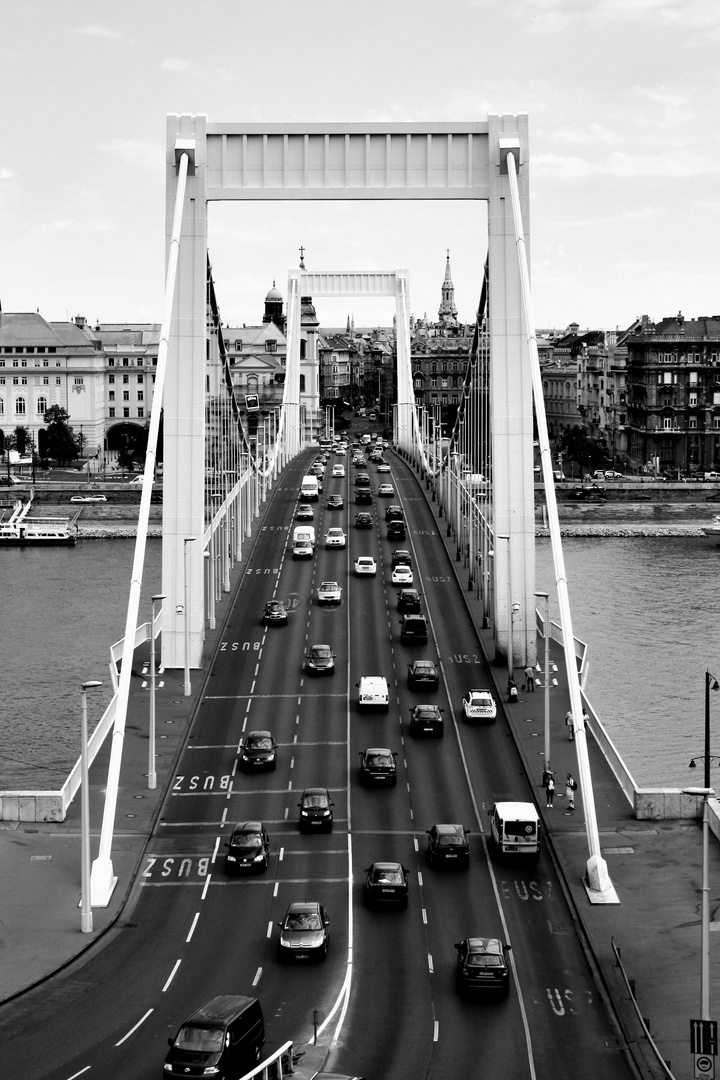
(512, 691)
(585, 719)
(569, 724)
(529, 679)
(550, 787)
(570, 789)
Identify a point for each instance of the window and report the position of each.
(125, 362)
(141, 413)
(692, 400)
(58, 382)
(139, 363)
(271, 346)
(667, 423)
(140, 379)
(111, 395)
(716, 398)
(692, 423)
(141, 396)
(24, 380)
(238, 346)
(126, 412)
(126, 379)
(111, 413)
(20, 406)
(302, 384)
(16, 381)
(46, 381)
(2, 406)
(42, 406)
(111, 379)
(716, 421)
(126, 395)
(111, 361)
(693, 377)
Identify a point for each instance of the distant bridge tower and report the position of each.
(245, 162)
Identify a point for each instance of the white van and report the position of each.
(515, 829)
(373, 693)
(303, 542)
(309, 490)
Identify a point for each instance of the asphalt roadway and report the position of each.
(655, 867)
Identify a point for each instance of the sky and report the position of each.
(622, 98)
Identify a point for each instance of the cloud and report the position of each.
(7, 174)
(555, 16)
(175, 65)
(665, 166)
(101, 32)
(149, 156)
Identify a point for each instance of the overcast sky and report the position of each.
(622, 97)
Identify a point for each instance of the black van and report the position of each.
(225, 1037)
(413, 628)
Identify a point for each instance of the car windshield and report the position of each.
(194, 1037)
(259, 742)
(378, 759)
(315, 801)
(450, 840)
(301, 920)
(321, 651)
(251, 840)
(485, 960)
(388, 877)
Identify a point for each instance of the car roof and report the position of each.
(258, 735)
(517, 810)
(427, 710)
(315, 791)
(449, 830)
(329, 585)
(377, 750)
(248, 826)
(319, 645)
(386, 866)
(421, 663)
(303, 905)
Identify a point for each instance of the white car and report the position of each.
(365, 564)
(383, 466)
(89, 498)
(479, 705)
(402, 575)
(335, 538)
(329, 592)
(338, 470)
(386, 490)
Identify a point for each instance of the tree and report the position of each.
(60, 439)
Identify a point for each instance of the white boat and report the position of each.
(713, 529)
(21, 529)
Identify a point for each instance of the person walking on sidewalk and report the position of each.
(529, 679)
(570, 789)
(569, 724)
(550, 788)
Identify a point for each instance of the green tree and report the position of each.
(61, 443)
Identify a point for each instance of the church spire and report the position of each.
(447, 314)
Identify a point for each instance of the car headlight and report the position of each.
(259, 858)
(231, 858)
(303, 813)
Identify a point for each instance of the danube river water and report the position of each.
(647, 606)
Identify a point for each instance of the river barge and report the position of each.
(22, 530)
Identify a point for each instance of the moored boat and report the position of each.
(713, 528)
(22, 529)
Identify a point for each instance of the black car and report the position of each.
(394, 513)
(448, 846)
(396, 530)
(377, 767)
(315, 810)
(423, 673)
(259, 752)
(275, 613)
(386, 885)
(320, 660)
(413, 628)
(362, 478)
(426, 722)
(363, 495)
(409, 600)
(482, 967)
(335, 502)
(401, 557)
(304, 932)
(248, 848)
(363, 520)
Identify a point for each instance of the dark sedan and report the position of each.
(448, 846)
(363, 520)
(363, 495)
(361, 478)
(248, 849)
(386, 885)
(315, 810)
(482, 967)
(426, 722)
(396, 530)
(259, 752)
(320, 660)
(423, 674)
(275, 613)
(409, 600)
(401, 557)
(377, 767)
(335, 502)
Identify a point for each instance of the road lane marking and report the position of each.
(127, 1036)
(171, 975)
(192, 928)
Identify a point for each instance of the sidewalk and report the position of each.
(654, 866)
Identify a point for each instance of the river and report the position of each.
(645, 605)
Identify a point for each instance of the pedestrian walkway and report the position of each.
(654, 866)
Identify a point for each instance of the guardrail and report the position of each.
(281, 1063)
(629, 987)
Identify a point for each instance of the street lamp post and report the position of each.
(187, 688)
(86, 919)
(152, 775)
(545, 597)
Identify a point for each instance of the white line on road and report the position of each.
(171, 975)
(130, 1032)
(192, 928)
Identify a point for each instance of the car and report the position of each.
(9, 480)
(361, 478)
(137, 480)
(413, 628)
(316, 812)
(482, 967)
(386, 885)
(394, 513)
(363, 495)
(479, 705)
(88, 498)
(304, 932)
(426, 721)
(320, 660)
(396, 530)
(335, 502)
(248, 848)
(377, 767)
(401, 556)
(383, 467)
(335, 538)
(610, 474)
(364, 565)
(409, 600)
(401, 575)
(363, 520)
(448, 846)
(305, 512)
(386, 491)
(373, 693)
(423, 673)
(275, 613)
(258, 751)
(338, 470)
(372, 416)
(329, 592)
